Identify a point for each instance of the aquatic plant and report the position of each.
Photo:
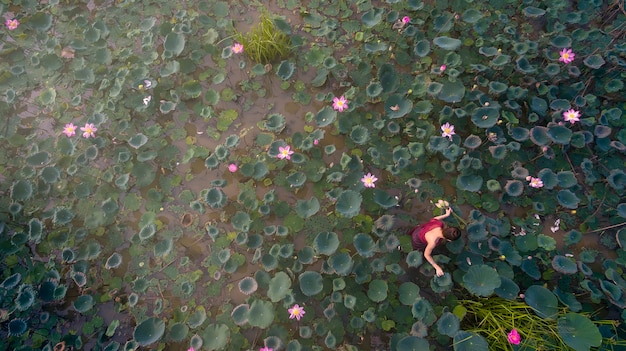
(265, 42)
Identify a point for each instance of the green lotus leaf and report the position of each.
(285, 70)
(15, 208)
(372, 17)
(241, 221)
(311, 283)
(306, 254)
(11, 281)
(481, 280)
(396, 106)
(50, 174)
(274, 122)
(388, 77)
(472, 141)
(215, 198)
(423, 107)
(539, 135)
(83, 303)
(601, 131)
(307, 208)
(485, 117)
(360, 134)
(384, 199)
(542, 301)
(503, 60)
(325, 116)
(21, 190)
(559, 134)
(68, 255)
(293, 345)
(178, 332)
(617, 179)
(17, 327)
(552, 69)
(240, 314)
(364, 244)
(341, 263)
(476, 231)
(498, 152)
(175, 43)
(377, 290)
(594, 61)
(469, 341)
(414, 259)
(567, 199)
(514, 187)
(508, 289)
(447, 43)
(147, 231)
(374, 89)
(519, 133)
(578, 332)
(412, 343)
(613, 291)
(434, 88)
(566, 179)
(534, 12)
(348, 203)
(248, 285)
(471, 16)
(451, 91)
(216, 336)
(470, 182)
(448, 324)
(386, 222)
(497, 88)
(163, 247)
(114, 261)
(47, 96)
(280, 286)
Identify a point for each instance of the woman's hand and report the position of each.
(448, 211)
(438, 271)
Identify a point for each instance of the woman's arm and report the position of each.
(446, 215)
(427, 255)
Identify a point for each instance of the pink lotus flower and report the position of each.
(266, 349)
(70, 129)
(447, 130)
(566, 56)
(572, 116)
(237, 48)
(316, 141)
(340, 104)
(406, 19)
(443, 67)
(285, 152)
(514, 337)
(191, 349)
(296, 312)
(12, 24)
(89, 130)
(368, 180)
(232, 168)
(535, 182)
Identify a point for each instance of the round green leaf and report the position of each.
(261, 314)
(447, 43)
(216, 336)
(542, 301)
(311, 283)
(481, 280)
(578, 332)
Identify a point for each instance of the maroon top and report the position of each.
(418, 234)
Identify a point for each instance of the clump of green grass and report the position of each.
(265, 43)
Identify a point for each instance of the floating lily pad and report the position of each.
(578, 331)
(396, 106)
(216, 336)
(485, 117)
(311, 283)
(348, 203)
(481, 280)
(286, 69)
(542, 301)
(447, 43)
(469, 341)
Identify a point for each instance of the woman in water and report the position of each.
(427, 236)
